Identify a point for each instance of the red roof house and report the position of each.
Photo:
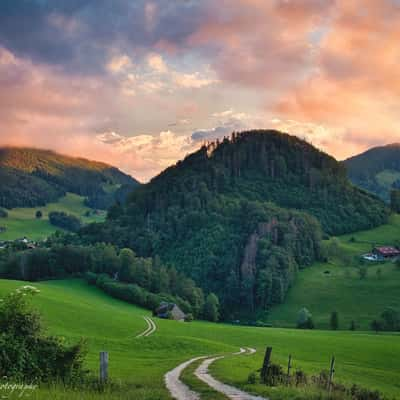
(387, 252)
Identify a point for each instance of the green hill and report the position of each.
(137, 366)
(377, 170)
(225, 216)
(33, 177)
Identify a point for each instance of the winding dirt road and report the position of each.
(231, 392)
(151, 328)
(180, 391)
(176, 387)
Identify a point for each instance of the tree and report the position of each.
(334, 321)
(38, 214)
(352, 325)
(304, 319)
(395, 200)
(211, 308)
(127, 261)
(333, 248)
(362, 272)
(65, 221)
(391, 319)
(376, 325)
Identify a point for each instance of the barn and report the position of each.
(386, 252)
(170, 311)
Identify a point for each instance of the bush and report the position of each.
(26, 354)
(304, 320)
(252, 378)
(275, 375)
(3, 213)
(300, 378)
(38, 214)
(91, 278)
(189, 317)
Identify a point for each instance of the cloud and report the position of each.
(353, 89)
(156, 62)
(194, 80)
(90, 76)
(119, 63)
(148, 154)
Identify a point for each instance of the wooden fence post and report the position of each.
(265, 366)
(103, 366)
(289, 367)
(331, 373)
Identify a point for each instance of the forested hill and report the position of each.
(377, 170)
(32, 177)
(226, 217)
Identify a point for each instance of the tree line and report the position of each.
(142, 281)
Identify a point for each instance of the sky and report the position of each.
(140, 84)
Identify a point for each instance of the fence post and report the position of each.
(265, 366)
(289, 367)
(331, 373)
(103, 366)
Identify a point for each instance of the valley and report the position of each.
(138, 365)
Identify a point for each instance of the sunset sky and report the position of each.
(139, 84)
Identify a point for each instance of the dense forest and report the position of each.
(241, 216)
(32, 177)
(377, 170)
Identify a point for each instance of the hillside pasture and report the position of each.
(22, 222)
(73, 310)
(336, 285)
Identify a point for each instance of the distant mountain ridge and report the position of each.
(32, 177)
(376, 170)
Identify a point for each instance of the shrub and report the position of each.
(3, 213)
(275, 375)
(304, 320)
(91, 278)
(362, 272)
(26, 354)
(252, 378)
(189, 317)
(38, 214)
(300, 378)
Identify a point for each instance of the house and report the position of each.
(170, 311)
(386, 252)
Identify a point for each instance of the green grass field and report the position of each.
(72, 309)
(22, 221)
(342, 290)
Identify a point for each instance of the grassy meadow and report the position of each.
(22, 222)
(342, 290)
(73, 309)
